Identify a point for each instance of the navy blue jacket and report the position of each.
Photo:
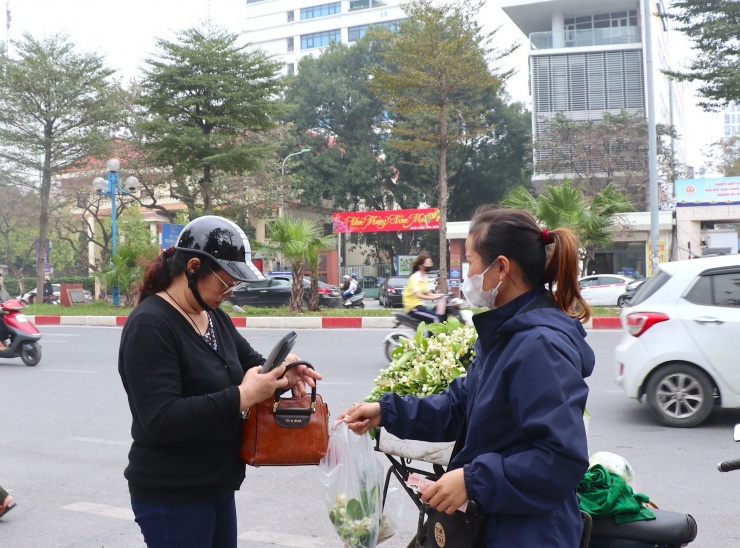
(525, 449)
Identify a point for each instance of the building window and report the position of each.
(320, 39)
(321, 11)
(291, 16)
(290, 68)
(253, 1)
(365, 4)
(356, 33)
(291, 44)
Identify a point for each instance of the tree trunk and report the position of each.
(313, 300)
(443, 132)
(296, 294)
(43, 221)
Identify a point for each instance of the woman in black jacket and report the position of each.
(190, 377)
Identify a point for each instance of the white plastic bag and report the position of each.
(353, 484)
(615, 464)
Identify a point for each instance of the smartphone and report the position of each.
(280, 352)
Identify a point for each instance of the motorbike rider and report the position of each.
(352, 287)
(418, 289)
(48, 290)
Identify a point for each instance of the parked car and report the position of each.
(391, 292)
(605, 289)
(678, 351)
(275, 291)
(632, 288)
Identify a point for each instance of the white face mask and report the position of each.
(472, 287)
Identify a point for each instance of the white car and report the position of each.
(605, 289)
(678, 351)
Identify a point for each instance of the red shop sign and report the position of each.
(396, 220)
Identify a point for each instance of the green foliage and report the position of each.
(56, 108)
(433, 79)
(566, 205)
(295, 239)
(203, 95)
(126, 270)
(714, 27)
(356, 519)
(427, 365)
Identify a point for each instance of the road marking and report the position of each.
(101, 510)
(283, 539)
(106, 442)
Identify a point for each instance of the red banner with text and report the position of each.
(396, 220)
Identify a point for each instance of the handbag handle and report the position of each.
(313, 388)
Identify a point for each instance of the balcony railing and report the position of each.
(584, 38)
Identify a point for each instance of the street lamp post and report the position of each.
(109, 188)
(281, 212)
(282, 174)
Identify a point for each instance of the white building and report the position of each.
(732, 120)
(291, 29)
(587, 58)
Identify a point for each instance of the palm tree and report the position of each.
(313, 258)
(592, 218)
(126, 270)
(297, 240)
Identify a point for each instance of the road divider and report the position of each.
(284, 322)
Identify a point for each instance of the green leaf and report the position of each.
(354, 510)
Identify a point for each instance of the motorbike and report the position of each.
(24, 337)
(731, 465)
(30, 298)
(355, 301)
(452, 307)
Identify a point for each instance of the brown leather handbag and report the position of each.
(286, 431)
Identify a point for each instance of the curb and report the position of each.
(283, 322)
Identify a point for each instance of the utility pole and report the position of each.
(647, 17)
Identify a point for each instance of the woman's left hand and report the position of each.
(300, 375)
(448, 493)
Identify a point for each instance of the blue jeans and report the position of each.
(204, 525)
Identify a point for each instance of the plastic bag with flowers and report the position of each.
(427, 365)
(353, 479)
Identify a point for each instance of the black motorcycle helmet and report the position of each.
(224, 243)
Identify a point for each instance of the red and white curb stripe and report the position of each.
(282, 322)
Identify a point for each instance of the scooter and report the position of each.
(355, 301)
(24, 337)
(452, 307)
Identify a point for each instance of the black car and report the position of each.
(391, 292)
(632, 288)
(275, 291)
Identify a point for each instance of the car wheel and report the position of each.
(680, 395)
(622, 301)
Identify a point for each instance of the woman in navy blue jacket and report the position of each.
(524, 395)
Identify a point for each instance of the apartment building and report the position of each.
(587, 58)
(292, 29)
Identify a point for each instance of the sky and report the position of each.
(125, 32)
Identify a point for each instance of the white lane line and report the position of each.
(283, 539)
(101, 510)
(105, 442)
(66, 370)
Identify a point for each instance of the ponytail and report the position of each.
(562, 268)
(160, 272)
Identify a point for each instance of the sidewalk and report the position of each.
(284, 322)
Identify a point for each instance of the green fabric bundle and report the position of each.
(604, 494)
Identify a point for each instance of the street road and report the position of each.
(65, 437)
